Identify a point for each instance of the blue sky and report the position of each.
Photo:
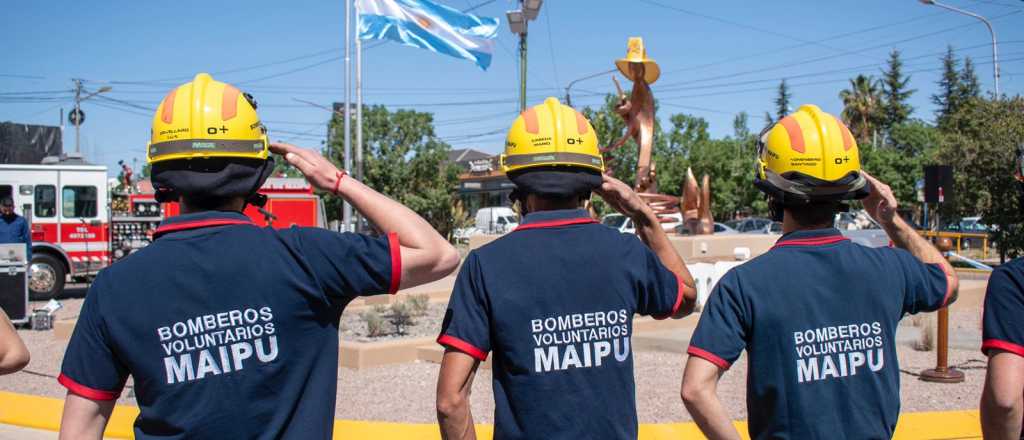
(717, 58)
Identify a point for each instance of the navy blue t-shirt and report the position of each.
(554, 300)
(817, 315)
(228, 329)
(1003, 321)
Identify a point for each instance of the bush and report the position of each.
(419, 304)
(374, 322)
(401, 316)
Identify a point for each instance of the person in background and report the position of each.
(13, 227)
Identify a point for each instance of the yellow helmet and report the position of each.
(206, 118)
(809, 156)
(551, 134)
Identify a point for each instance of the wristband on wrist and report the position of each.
(341, 175)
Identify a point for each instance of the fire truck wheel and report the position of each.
(46, 277)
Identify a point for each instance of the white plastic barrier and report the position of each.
(706, 276)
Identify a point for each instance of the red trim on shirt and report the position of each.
(555, 223)
(163, 229)
(950, 280)
(709, 356)
(463, 346)
(396, 262)
(819, 241)
(84, 391)
(679, 300)
(1002, 345)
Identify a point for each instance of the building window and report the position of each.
(46, 201)
(79, 201)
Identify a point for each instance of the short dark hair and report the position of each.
(814, 214)
(6, 201)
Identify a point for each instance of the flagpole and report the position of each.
(346, 212)
(359, 110)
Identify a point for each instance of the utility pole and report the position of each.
(78, 111)
(517, 22)
(346, 212)
(522, 71)
(359, 115)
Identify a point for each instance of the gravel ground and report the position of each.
(371, 394)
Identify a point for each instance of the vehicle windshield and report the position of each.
(614, 221)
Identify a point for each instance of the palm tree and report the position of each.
(862, 106)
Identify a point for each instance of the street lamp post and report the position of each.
(568, 87)
(78, 107)
(517, 22)
(995, 56)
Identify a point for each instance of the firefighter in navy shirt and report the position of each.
(1002, 400)
(230, 330)
(816, 314)
(554, 299)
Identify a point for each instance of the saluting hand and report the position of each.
(621, 197)
(319, 171)
(880, 203)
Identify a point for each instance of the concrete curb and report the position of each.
(45, 412)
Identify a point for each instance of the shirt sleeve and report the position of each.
(927, 287)
(91, 369)
(660, 293)
(1003, 328)
(723, 329)
(349, 265)
(466, 325)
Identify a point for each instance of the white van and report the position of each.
(496, 220)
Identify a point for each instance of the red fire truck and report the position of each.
(75, 233)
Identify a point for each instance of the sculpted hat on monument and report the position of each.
(636, 53)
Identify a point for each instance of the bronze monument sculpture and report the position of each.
(637, 109)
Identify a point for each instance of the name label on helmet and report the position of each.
(204, 145)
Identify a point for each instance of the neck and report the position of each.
(790, 225)
(235, 204)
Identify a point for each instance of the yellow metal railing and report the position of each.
(958, 238)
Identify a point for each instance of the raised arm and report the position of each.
(624, 200)
(13, 354)
(84, 419)
(426, 256)
(881, 205)
(454, 383)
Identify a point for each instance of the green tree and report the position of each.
(404, 160)
(969, 87)
(862, 107)
(741, 126)
(768, 119)
(947, 98)
(895, 93)
(782, 99)
(981, 152)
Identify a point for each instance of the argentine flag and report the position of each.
(428, 25)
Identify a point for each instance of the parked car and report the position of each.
(752, 225)
(861, 229)
(770, 228)
(618, 221)
(720, 229)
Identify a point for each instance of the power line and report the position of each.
(824, 58)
